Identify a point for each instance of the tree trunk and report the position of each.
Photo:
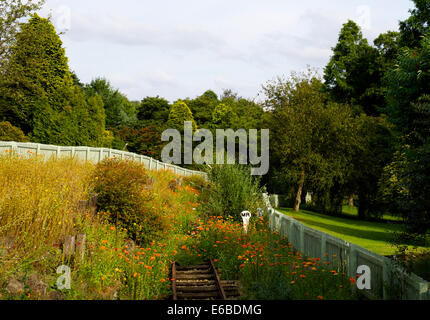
(299, 192)
(351, 201)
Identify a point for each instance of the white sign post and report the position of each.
(246, 215)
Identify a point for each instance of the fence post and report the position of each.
(81, 239)
(323, 247)
(353, 260)
(69, 246)
(38, 150)
(302, 239)
(386, 273)
(290, 235)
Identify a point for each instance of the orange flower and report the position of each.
(320, 297)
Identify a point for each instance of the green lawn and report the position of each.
(353, 211)
(374, 236)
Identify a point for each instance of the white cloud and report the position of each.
(182, 48)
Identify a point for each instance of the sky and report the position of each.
(179, 49)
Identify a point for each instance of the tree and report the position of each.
(388, 45)
(71, 120)
(223, 117)
(409, 80)
(374, 148)
(413, 29)
(153, 111)
(353, 74)
(10, 133)
(179, 113)
(202, 107)
(146, 141)
(119, 110)
(37, 68)
(37, 92)
(249, 114)
(408, 108)
(314, 137)
(11, 13)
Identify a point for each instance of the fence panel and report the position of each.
(93, 155)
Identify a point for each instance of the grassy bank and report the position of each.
(39, 207)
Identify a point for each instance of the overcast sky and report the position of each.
(177, 49)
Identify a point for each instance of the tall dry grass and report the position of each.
(38, 199)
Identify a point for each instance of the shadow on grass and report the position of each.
(358, 233)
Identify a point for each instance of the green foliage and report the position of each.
(202, 108)
(224, 117)
(121, 193)
(11, 13)
(416, 26)
(353, 75)
(388, 46)
(409, 80)
(119, 110)
(374, 150)
(153, 111)
(232, 190)
(314, 139)
(37, 68)
(409, 109)
(146, 141)
(38, 95)
(73, 120)
(179, 113)
(10, 133)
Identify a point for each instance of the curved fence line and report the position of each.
(388, 279)
(94, 155)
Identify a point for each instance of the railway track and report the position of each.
(201, 282)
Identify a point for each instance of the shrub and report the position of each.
(10, 133)
(197, 182)
(123, 194)
(232, 191)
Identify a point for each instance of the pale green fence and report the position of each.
(94, 155)
(388, 280)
